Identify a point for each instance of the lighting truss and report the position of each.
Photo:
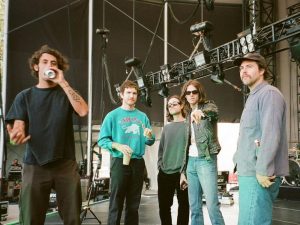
(195, 68)
(225, 54)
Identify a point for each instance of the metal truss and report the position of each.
(293, 9)
(224, 55)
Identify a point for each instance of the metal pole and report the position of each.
(4, 81)
(253, 15)
(165, 50)
(90, 86)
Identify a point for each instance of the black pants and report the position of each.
(126, 183)
(37, 182)
(167, 184)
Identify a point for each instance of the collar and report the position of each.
(258, 87)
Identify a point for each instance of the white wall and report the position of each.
(228, 134)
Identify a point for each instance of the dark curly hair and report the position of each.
(62, 62)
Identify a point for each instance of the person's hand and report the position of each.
(265, 181)
(125, 149)
(197, 115)
(147, 132)
(183, 182)
(59, 76)
(16, 132)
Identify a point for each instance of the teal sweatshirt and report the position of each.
(125, 127)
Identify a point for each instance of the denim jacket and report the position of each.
(205, 133)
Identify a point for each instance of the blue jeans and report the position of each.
(256, 202)
(202, 176)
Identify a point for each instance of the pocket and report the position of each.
(248, 119)
(202, 143)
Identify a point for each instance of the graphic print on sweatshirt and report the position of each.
(131, 126)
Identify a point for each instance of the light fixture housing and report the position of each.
(217, 75)
(205, 26)
(294, 43)
(165, 71)
(164, 91)
(141, 80)
(246, 41)
(202, 58)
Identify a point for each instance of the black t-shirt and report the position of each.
(47, 113)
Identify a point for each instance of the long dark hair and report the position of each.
(169, 116)
(200, 89)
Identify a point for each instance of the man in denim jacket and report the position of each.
(262, 152)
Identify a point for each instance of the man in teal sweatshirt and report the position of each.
(124, 132)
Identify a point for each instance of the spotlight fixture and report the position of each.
(217, 75)
(202, 58)
(145, 97)
(202, 30)
(117, 87)
(205, 26)
(134, 63)
(141, 80)
(294, 43)
(209, 4)
(165, 71)
(164, 91)
(246, 41)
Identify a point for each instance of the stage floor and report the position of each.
(286, 212)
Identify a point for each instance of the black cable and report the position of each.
(144, 27)
(107, 76)
(188, 18)
(152, 40)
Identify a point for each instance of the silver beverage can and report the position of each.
(50, 74)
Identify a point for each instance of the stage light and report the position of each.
(217, 75)
(202, 58)
(294, 43)
(141, 80)
(165, 69)
(134, 63)
(117, 87)
(145, 97)
(205, 26)
(246, 41)
(164, 91)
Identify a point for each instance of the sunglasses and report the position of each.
(173, 104)
(194, 92)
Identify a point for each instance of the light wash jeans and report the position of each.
(202, 178)
(256, 202)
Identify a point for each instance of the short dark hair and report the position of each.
(62, 62)
(169, 116)
(128, 84)
(200, 89)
